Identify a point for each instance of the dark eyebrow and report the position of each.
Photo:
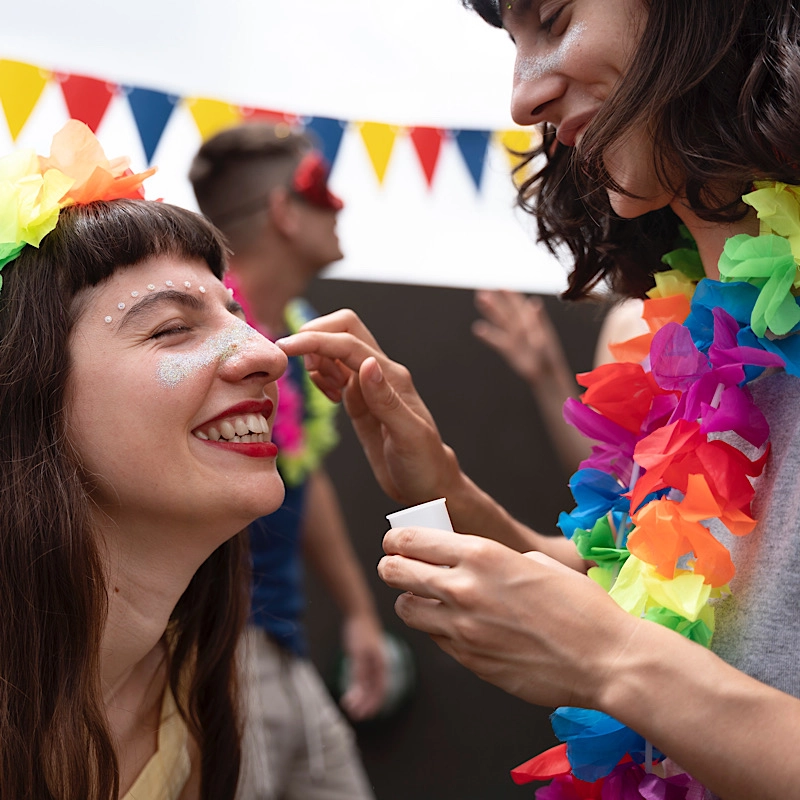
(151, 301)
(234, 307)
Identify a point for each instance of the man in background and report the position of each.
(266, 188)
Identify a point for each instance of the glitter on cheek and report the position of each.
(531, 68)
(229, 343)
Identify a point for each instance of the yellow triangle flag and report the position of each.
(212, 116)
(379, 140)
(518, 140)
(21, 86)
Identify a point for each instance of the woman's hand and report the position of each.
(523, 622)
(396, 430)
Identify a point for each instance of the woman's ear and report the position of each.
(283, 212)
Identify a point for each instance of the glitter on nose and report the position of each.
(174, 368)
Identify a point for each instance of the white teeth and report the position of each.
(252, 428)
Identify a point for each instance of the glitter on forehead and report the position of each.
(533, 69)
(229, 343)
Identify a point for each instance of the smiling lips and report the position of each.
(572, 129)
(243, 429)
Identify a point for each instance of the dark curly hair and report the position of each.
(718, 81)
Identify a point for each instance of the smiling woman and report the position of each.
(670, 167)
(123, 571)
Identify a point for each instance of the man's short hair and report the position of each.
(235, 171)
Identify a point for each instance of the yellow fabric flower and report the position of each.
(670, 283)
(778, 207)
(639, 587)
(34, 189)
(29, 202)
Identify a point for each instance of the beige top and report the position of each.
(167, 772)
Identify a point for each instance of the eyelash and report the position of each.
(167, 331)
(548, 24)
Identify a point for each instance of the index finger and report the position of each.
(345, 320)
(344, 347)
(433, 546)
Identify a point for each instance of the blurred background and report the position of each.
(409, 102)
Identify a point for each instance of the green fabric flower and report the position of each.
(29, 202)
(598, 545)
(768, 263)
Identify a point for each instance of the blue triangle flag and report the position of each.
(473, 145)
(151, 110)
(329, 133)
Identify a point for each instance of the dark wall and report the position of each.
(457, 737)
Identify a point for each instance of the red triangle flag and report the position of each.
(87, 98)
(268, 115)
(427, 143)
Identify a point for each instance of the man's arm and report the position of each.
(327, 548)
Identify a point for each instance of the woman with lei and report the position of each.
(671, 152)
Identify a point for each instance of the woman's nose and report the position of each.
(537, 85)
(252, 356)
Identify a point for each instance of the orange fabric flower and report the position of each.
(77, 153)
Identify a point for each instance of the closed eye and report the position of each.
(551, 21)
(175, 329)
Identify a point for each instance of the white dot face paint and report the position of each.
(231, 342)
(533, 68)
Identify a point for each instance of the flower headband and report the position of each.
(34, 189)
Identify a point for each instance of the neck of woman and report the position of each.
(711, 236)
(144, 585)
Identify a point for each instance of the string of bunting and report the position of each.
(88, 98)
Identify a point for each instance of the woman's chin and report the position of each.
(631, 207)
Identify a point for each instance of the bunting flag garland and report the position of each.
(21, 86)
(151, 111)
(660, 472)
(427, 142)
(268, 115)
(329, 134)
(473, 146)
(212, 116)
(88, 99)
(516, 142)
(379, 140)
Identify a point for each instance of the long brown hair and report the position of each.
(718, 82)
(54, 737)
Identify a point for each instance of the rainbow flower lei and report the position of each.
(34, 189)
(660, 471)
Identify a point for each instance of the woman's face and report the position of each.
(170, 401)
(570, 55)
